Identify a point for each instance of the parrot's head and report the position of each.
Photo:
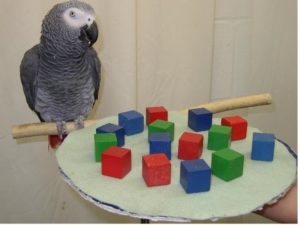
(71, 23)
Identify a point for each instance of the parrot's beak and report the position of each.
(91, 33)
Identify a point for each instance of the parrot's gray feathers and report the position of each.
(96, 65)
(29, 72)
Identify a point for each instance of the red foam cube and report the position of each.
(238, 126)
(116, 162)
(156, 113)
(190, 146)
(156, 169)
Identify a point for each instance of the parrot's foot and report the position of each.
(79, 122)
(61, 129)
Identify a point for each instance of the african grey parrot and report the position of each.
(61, 75)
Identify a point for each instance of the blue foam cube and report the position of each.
(195, 176)
(199, 119)
(112, 128)
(263, 147)
(160, 143)
(132, 121)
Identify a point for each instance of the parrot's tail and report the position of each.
(54, 141)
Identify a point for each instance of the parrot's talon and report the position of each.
(79, 122)
(61, 129)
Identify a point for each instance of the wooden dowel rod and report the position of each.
(38, 129)
(235, 103)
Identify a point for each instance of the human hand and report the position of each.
(284, 210)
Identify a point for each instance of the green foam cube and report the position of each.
(161, 126)
(219, 137)
(227, 164)
(102, 142)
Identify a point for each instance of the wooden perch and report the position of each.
(235, 103)
(38, 129)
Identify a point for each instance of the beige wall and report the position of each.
(171, 52)
(255, 51)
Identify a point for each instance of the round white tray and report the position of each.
(262, 182)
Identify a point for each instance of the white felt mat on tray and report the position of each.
(262, 182)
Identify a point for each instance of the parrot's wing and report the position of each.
(96, 70)
(28, 71)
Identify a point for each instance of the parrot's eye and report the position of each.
(72, 13)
